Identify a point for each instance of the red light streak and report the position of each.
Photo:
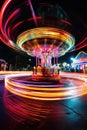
(2, 10)
(65, 21)
(80, 45)
(10, 18)
(33, 13)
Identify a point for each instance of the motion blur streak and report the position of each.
(22, 85)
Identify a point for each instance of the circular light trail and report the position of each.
(63, 41)
(22, 85)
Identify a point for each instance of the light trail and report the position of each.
(33, 13)
(66, 39)
(80, 45)
(32, 90)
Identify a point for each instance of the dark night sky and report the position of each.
(76, 9)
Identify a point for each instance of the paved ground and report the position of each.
(17, 113)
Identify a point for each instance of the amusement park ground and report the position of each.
(70, 114)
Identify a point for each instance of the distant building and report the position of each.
(80, 62)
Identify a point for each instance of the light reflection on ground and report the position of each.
(40, 115)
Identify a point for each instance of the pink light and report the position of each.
(3, 9)
(10, 18)
(19, 23)
(80, 45)
(65, 21)
(33, 13)
(85, 39)
(16, 25)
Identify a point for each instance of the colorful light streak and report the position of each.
(3, 9)
(11, 25)
(33, 13)
(5, 33)
(21, 109)
(3, 74)
(66, 22)
(32, 90)
(46, 32)
(80, 45)
(8, 27)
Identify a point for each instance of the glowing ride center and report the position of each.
(36, 43)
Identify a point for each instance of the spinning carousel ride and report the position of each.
(40, 32)
(45, 43)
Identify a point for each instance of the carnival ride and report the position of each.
(37, 34)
